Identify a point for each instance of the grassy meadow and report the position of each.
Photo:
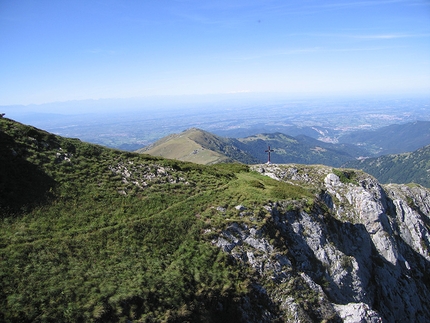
(91, 234)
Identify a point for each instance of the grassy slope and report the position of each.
(185, 146)
(201, 147)
(107, 236)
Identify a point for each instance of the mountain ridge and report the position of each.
(299, 149)
(120, 236)
(196, 145)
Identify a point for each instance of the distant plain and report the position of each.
(130, 124)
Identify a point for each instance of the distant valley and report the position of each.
(393, 139)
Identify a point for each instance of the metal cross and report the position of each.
(269, 151)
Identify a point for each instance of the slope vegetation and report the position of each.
(198, 146)
(411, 167)
(94, 234)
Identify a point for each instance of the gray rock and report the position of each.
(363, 251)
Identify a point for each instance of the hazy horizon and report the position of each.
(67, 51)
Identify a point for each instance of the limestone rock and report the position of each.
(361, 254)
(357, 312)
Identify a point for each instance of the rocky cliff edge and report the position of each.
(359, 253)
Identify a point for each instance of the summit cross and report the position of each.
(269, 151)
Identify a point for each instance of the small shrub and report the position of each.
(257, 184)
(346, 176)
(346, 262)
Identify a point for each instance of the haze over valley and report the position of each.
(131, 124)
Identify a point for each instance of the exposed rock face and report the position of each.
(360, 254)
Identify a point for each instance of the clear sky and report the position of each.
(82, 49)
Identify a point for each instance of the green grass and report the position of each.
(346, 175)
(95, 234)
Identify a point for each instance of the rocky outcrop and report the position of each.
(359, 254)
(142, 176)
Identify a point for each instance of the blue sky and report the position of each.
(75, 50)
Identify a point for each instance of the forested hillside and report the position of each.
(300, 149)
(411, 167)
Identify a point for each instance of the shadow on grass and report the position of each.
(22, 184)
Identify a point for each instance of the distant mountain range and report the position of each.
(202, 147)
(300, 149)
